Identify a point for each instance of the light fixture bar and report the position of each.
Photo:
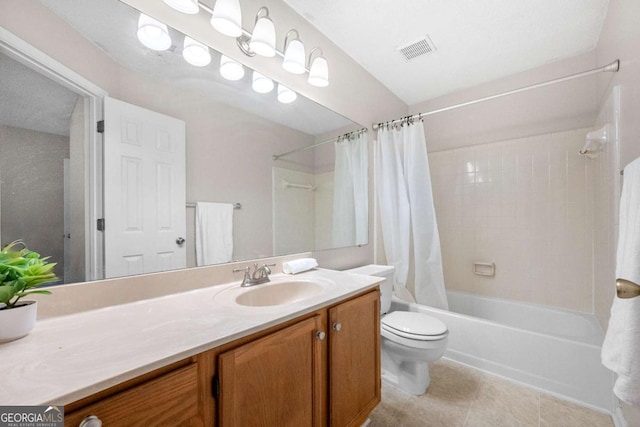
(245, 32)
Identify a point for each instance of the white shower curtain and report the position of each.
(406, 207)
(350, 194)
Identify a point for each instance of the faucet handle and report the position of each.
(247, 276)
(266, 268)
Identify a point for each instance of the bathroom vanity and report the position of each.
(314, 361)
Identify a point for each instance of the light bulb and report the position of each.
(261, 84)
(153, 34)
(195, 53)
(227, 17)
(185, 6)
(319, 72)
(263, 39)
(294, 57)
(286, 95)
(230, 69)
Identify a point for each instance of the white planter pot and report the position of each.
(17, 322)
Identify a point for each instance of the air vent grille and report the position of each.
(417, 48)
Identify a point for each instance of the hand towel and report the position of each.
(299, 265)
(621, 347)
(214, 233)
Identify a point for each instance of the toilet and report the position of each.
(409, 340)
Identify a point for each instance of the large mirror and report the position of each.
(244, 152)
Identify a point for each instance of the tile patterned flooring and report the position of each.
(465, 397)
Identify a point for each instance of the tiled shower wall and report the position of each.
(525, 205)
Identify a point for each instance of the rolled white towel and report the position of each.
(299, 265)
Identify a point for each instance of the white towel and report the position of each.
(621, 347)
(299, 265)
(214, 233)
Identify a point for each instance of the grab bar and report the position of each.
(627, 289)
(287, 184)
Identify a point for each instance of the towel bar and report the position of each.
(627, 289)
(235, 205)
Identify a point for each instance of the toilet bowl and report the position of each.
(410, 341)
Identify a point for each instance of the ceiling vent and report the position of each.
(417, 48)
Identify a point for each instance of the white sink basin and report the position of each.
(279, 292)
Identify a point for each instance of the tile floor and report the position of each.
(465, 397)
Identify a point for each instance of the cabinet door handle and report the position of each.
(91, 421)
(336, 326)
(320, 335)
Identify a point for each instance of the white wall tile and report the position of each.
(527, 206)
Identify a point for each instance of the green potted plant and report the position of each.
(21, 273)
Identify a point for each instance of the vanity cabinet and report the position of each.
(354, 357)
(170, 399)
(324, 370)
(320, 369)
(276, 380)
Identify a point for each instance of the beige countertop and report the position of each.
(70, 357)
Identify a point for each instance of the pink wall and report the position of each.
(570, 105)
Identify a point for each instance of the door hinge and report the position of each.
(215, 386)
(100, 127)
(100, 224)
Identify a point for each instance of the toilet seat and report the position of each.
(414, 326)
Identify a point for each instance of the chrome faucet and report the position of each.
(259, 275)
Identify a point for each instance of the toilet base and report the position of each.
(405, 384)
(410, 377)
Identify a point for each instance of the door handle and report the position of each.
(180, 241)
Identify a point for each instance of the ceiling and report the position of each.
(476, 41)
(33, 101)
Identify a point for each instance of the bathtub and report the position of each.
(556, 351)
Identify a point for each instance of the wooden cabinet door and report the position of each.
(354, 360)
(277, 380)
(169, 400)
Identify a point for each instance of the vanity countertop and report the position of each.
(67, 358)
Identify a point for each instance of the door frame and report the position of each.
(28, 55)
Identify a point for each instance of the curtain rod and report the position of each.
(612, 67)
(346, 135)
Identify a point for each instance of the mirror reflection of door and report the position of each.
(144, 190)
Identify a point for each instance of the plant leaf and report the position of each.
(6, 293)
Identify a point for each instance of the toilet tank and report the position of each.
(386, 287)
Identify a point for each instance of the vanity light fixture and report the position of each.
(185, 6)
(318, 69)
(294, 55)
(230, 69)
(263, 39)
(226, 17)
(153, 34)
(195, 53)
(286, 95)
(261, 84)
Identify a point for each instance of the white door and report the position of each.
(144, 190)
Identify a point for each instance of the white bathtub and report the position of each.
(554, 350)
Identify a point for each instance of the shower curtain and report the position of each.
(405, 201)
(350, 194)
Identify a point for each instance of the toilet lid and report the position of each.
(413, 325)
